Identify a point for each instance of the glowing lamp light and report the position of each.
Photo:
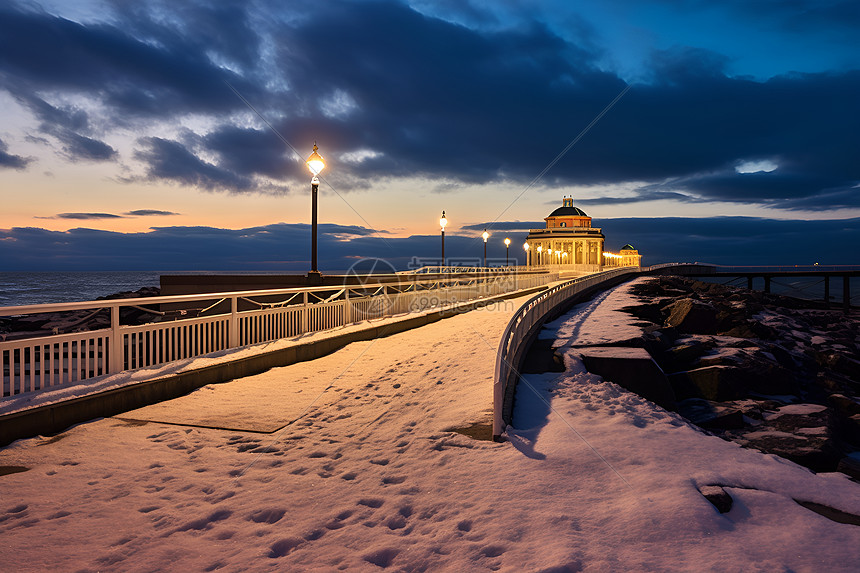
(526, 247)
(486, 235)
(315, 162)
(443, 222)
(507, 242)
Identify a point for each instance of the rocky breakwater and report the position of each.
(48, 323)
(769, 372)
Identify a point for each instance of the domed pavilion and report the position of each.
(570, 240)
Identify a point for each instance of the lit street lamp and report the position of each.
(316, 164)
(526, 249)
(442, 223)
(507, 248)
(486, 236)
(540, 256)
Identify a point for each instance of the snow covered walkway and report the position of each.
(367, 475)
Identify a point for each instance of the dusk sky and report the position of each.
(158, 135)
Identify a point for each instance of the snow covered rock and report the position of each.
(692, 316)
(718, 497)
(631, 368)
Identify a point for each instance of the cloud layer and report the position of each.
(396, 91)
(722, 240)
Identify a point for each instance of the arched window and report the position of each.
(562, 224)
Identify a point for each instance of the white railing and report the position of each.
(522, 327)
(39, 363)
(519, 331)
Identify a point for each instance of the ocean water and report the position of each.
(808, 288)
(20, 288)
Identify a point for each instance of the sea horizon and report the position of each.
(19, 288)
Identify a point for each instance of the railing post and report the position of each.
(117, 350)
(347, 307)
(305, 311)
(234, 322)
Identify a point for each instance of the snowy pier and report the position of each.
(360, 460)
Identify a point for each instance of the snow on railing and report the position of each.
(38, 363)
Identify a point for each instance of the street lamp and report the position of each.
(486, 236)
(507, 248)
(526, 249)
(442, 223)
(316, 164)
(540, 256)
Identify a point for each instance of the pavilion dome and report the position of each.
(568, 211)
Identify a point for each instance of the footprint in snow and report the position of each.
(269, 515)
(373, 502)
(284, 546)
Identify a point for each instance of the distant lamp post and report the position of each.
(316, 164)
(526, 249)
(507, 249)
(442, 223)
(549, 255)
(540, 255)
(486, 236)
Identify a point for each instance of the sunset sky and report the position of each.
(158, 135)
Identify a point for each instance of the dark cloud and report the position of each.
(138, 66)
(67, 124)
(253, 152)
(171, 161)
(433, 99)
(721, 240)
(87, 216)
(149, 213)
(11, 161)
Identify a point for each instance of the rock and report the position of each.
(541, 357)
(850, 465)
(711, 415)
(656, 341)
(852, 429)
(743, 330)
(718, 497)
(683, 356)
(817, 452)
(694, 317)
(845, 366)
(632, 368)
(844, 405)
(648, 312)
(718, 383)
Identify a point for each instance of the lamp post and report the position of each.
(549, 255)
(316, 164)
(507, 249)
(526, 249)
(442, 223)
(540, 255)
(486, 236)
